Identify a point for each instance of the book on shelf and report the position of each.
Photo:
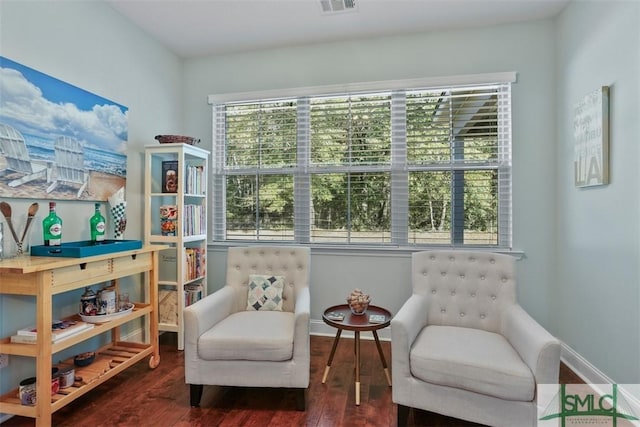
(59, 329)
(194, 220)
(23, 339)
(195, 180)
(195, 263)
(192, 293)
(170, 176)
(168, 219)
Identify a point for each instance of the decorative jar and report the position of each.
(358, 302)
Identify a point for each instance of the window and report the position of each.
(395, 167)
(260, 158)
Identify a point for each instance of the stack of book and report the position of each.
(192, 293)
(195, 263)
(59, 331)
(195, 180)
(194, 220)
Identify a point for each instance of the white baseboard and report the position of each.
(592, 375)
(582, 367)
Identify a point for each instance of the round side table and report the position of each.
(357, 324)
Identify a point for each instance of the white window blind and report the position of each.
(349, 167)
(260, 154)
(403, 167)
(352, 130)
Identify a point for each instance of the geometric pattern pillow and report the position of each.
(265, 292)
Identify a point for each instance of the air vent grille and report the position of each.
(337, 6)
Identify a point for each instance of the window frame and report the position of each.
(398, 169)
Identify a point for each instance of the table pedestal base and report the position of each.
(357, 354)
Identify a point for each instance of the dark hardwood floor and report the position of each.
(143, 397)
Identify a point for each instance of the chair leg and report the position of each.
(301, 399)
(403, 415)
(196, 394)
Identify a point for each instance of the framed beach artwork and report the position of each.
(58, 141)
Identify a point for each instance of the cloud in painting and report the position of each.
(23, 103)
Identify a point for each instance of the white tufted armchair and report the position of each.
(463, 347)
(228, 345)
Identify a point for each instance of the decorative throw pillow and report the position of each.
(265, 292)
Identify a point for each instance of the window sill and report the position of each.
(363, 250)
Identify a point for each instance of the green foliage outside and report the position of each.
(350, 157)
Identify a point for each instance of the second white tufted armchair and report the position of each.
(463, 347)
(228, 345)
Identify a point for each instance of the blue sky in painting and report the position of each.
(57, 91)
(43, 108)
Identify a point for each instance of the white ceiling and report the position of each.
(192, 28)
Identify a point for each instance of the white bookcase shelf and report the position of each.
(176, 215)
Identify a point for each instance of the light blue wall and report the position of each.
(524, 48)
(597, 292)
(88, 45)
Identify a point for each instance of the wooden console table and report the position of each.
(44, 277)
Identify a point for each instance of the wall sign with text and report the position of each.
(591, 135)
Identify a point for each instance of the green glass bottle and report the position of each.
(97, 225)
(52, 227)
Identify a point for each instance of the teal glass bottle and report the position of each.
(97, 225)
(52, 227)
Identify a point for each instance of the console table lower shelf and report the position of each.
(110, 360)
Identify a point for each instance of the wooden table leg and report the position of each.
(384, 362)
(154, 360)
(115, 332)
(357, 333)
(333, 352)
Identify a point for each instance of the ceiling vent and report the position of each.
(337, 6)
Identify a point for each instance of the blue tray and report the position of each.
(86, 248)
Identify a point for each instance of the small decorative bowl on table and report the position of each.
(358, 302)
